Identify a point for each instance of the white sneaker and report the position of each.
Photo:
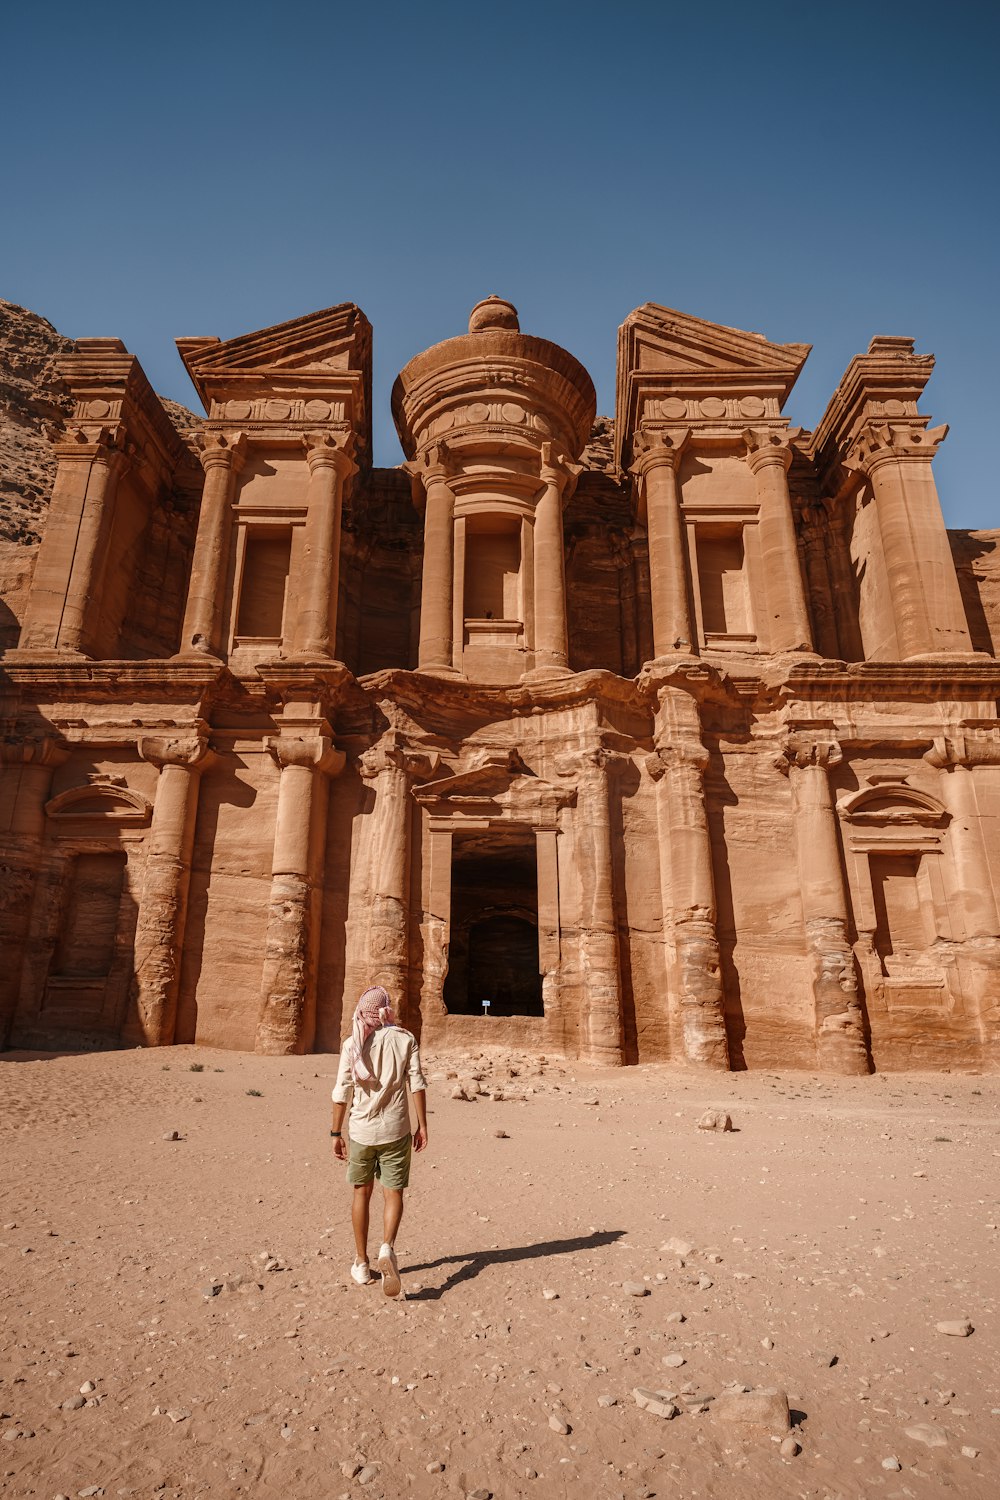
(390, 1271)
(361, 1273)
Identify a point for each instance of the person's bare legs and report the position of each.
(360, 1205)
(392, 1213)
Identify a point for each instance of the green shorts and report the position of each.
(389, 1163)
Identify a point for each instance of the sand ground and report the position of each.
(840, 1221)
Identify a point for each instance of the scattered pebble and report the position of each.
(923, 1432)
(549, 1294)
(959, 1328)
(891, 1463)
(172, 1135)
(635, 1289)
(437, 1467)
(657, 1403)
(789, 1448)
(673, 1361)
(501, 1134)
(715, 1119)
(558, 1425)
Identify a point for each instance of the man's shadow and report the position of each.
(478, 1260)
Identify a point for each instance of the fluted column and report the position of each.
(551, 639)
(433, 472)
(655, 468)
(26, 769)
(162, 916)
(925, 599)
(287, 1019)
(222, 458)
(839, 1021)
(391, 768)
(603, 1033)
(769, 453)
(330, 466)
(678, 767)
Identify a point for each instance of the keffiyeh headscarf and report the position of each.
(373, 1010)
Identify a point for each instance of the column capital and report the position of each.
(555, 469)
(436, 464)
(43, 750)
(892, 442)
(657, 447)
(220, 450)
(188, 749)
(95, 442)
(769, 445)
(963, 747)
(799, 753)
(685, 755)
(331, 450)
(392, 752)
(313, 752)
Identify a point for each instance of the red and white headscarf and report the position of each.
(373, 1010)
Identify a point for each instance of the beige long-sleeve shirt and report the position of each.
(379, 1110)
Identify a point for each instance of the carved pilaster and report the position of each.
(222, 456)
(839, 1020)
(306, 756)
(954, 754)
(432, 474)
(655, 470)
(331, 466)
(769, 454)
(162, 916)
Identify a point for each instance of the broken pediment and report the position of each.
(500, 787)
(673, 367)
(324, 354)
(892, 804)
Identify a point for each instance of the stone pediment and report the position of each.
(500, 787)
(326, 353)
(673, 367)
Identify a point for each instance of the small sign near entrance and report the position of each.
(486, 1007)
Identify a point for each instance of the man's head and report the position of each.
(374, 1009)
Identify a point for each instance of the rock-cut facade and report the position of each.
(666, 738)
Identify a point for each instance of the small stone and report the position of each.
(970, 1452)
(212, 1289)
(74, 1403)
(92, 1489)
(479, 1495)
(766, 1408)
(87, 1387)
(923, 1432)
(172, 1135)
(892, 1463)
(367, 1474)
(635, 1289)
(767, 1343)
(437, 1467)
(715, 1119)
(705, 1283)
(607, 1401)
(676, 1317)
(549, 1294)
(959, 1328)
(655, 1402)
(674, 1246)
(824, 1359)
(501, 1134)
(176, 1414)
(558, 1425)
(349, 1468)
(673, 1361)
(788, 1447)
(459, 1093)
(288, 1433)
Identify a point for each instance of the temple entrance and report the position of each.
(493, 947)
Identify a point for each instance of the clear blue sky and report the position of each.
(817, 172)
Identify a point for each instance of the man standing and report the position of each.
(377, 1061)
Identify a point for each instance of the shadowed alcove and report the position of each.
(493, 948)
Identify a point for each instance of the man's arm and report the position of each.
(420, 1134)
(340, 1095)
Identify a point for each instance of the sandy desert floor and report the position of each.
(177, 1319)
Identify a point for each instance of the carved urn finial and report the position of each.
(493, 312)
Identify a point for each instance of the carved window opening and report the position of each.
(263, 591)
(902, 903)
(722, 583)
(492, 569)
(493, 947)
(85, 948)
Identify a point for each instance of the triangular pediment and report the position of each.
(334, 343)
(663, 341)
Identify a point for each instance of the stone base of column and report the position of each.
(286, 968)
(840, 1036)
(702, 1003)
(545, 674)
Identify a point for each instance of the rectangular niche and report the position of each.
(902, 903)
(723, 594)
(267, 553)
(86, 945)
(493, 568)
(493, 951)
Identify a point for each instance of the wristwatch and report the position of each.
(336, 1132)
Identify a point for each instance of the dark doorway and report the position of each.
(493, 949)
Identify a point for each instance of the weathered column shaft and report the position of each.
(26, 771)
(93, 537)
(840, 1038)
(287, 1015)
(769, 454)
(656, 468)
(330, 465)
(551, 641)
(603, 1031)
(202, 630)
(437, 581)
(162, 916)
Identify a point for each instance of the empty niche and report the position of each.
(86, 945)
(264, 583)
(493, 568)
(900, 906)
(725, 606)
(493, 943)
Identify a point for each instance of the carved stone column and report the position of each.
(659, 500)
(551, 639)
(925, 598)
(26, 768)
(390, 768)
(814, 536)
(330, 467)
(603, 1033)
(64, 601)
(954, 756)
(222, 458)
(162, 916)
(769, 454)
(840, 1034)
(306, 756)
(678, 768)
(437, 580)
